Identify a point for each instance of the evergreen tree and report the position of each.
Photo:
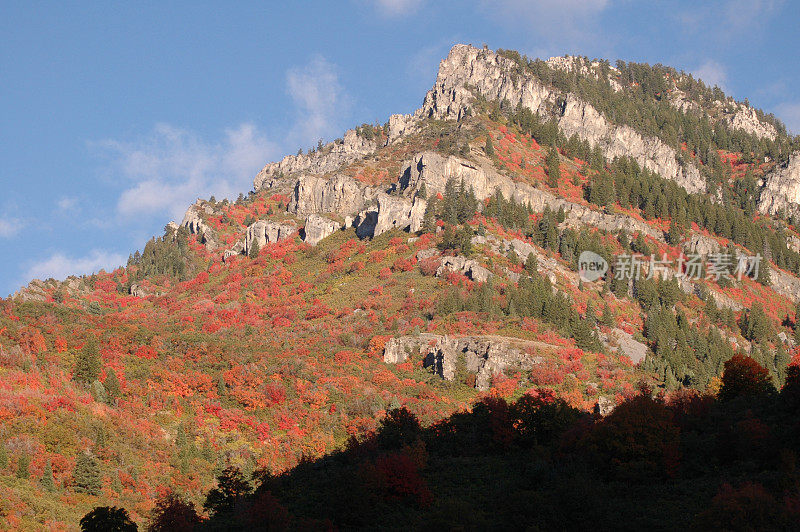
(3, 456)
(764, 275)
(531, 264)
(756, 325)
(23, 466)
(112, 385)
(87, 364)
(98, 392)
(255, 249)
(86, 474)
(47, 481)
(607, 317)
(107, 519)
(489, 146)
(231, 488)
(429, 218)
(553, 168)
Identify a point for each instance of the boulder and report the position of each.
(318, 227)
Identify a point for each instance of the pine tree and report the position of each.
(489, 146)
(764, 275)
(47, 481)
(3, 456)
(98, 392)
(429, 218)
(531, 264)
(255, 249)
(607, 318)
(87, 364)
(23, 466)
(553, 168)
(86, 475)
(112, 385)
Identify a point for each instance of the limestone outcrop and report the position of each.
(318, 227)
(340, 194)
(265, 232)
(446, 356)
(331, 157)
(467, 68)
(781, 190)
(193, 222)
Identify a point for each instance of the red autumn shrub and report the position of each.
(403, 265)
(396, 477)
(748, 507)
(743, 376)
(429, 266)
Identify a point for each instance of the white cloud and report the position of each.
(739, 15)
(166, 170)
(319, 98)
(789, 112)
(59, 266)
(728, 21)
(712, 73)
(9, 227)
(395, 8)
(67, 204)
(563, 23)
(422, 65)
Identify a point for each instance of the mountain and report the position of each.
(413, 301)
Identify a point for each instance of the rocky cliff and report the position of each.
(467, 69)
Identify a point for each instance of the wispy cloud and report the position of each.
(68, 204)
(9, 227)
(730, 20)
(167, 169)
(393, 8)
(712, 73)
(789, 112)
(563, 24)
(60, 266)
(319, 98)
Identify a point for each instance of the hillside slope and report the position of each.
(426, 263)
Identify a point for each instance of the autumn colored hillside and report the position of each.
(428, 266)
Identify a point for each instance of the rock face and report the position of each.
(318, 227)
(340, 194)
(331, 157)
(399, 213)
(464, 266)
(781, 190)
(493, 77)
(629, 347)
(193, 221)
(746, 119)
(267, 232)
(485, 357)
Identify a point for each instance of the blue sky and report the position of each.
(115, 116)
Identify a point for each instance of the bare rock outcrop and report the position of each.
(781, 190)
(467, 267)
(340, 194)
(318, 227)
(331, 157)
(467, 68)
(194, 223)
(746, 119)
(399, 213)
(446, 355)
(265, 232)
